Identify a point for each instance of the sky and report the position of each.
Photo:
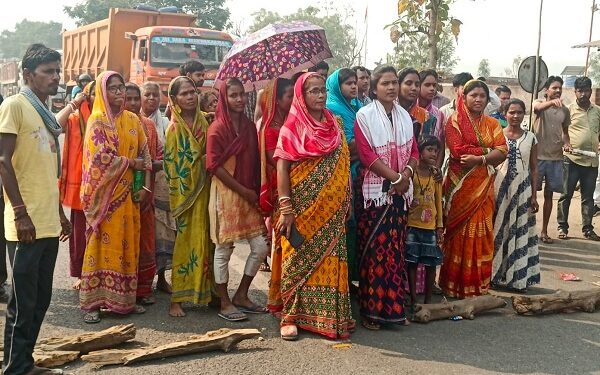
(497, 30)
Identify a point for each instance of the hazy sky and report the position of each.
(497, 30)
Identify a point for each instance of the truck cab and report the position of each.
(159, 51)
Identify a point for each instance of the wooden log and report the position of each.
(54, 358)
(467, 308)
(586, 300)
(90, 341)
(223, 339)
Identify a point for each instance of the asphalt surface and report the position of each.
(498, 342)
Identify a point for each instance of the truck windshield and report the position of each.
(166, 51)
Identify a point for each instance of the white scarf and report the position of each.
(385, 139)
(162, 123)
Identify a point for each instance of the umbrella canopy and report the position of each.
(277, 50)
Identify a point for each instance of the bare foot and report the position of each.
(163, 285)
(176, 311)
(77, 284)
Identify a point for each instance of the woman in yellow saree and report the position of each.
(114, 146)
(189, 186)
(477, 145)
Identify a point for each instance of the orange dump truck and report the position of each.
(143, 46)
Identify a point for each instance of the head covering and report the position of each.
(339, 105)
(268, 181)
(301, 135)
(103, 164)
(190, 144)
(224, 142)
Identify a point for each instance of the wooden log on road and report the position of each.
(54, 358)
(90, 341)
(586, 300)
(467, 308)
(223, 339)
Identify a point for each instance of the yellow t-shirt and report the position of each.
(425, 211)
(35, 164)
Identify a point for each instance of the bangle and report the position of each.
(412, 171)
(398, 180)
(283, 197)
(483, 161)
(148, 190)
(18, 206)
(73, 107)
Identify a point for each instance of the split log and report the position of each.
(586, 300)
(467, 308)
(54, 358)
(223, 339)
(90, 341)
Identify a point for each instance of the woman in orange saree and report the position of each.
(114, 146)
(477, 146)
(74, 124)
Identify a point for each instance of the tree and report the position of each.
(594, 70)
(409, 51)
(484, 68)
(513, 70)
(425, 17)
(13, 44)
(341, 36)
(211, 14)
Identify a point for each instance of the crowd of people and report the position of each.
(354, 183)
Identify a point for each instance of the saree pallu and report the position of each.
(382, 277)
(469, 240)
(165, 227)
(314, 277)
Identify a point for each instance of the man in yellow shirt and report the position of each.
(581, 160)
(33, 217)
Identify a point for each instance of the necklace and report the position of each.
(421, 187)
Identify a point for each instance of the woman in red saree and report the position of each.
(477, 146)
(275, 103)
(147, 260)
(74, 124)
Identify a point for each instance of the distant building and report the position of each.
(570, 74)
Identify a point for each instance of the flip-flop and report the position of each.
(254, 309)
(562, 235)
(138, 309)
(546, 239)
(146, 301)
(371, 326)
(234, 316)
(292, 336)
(92, 317)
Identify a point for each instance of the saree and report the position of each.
(340, 107)
(382, 217)
(238, 154)
(147, 260)
(267, 139)
(469, 196)
(314, 276)
(109, 274)
(70, 181)
(189, 184)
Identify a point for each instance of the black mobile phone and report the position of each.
(296, 239)
(387, 185)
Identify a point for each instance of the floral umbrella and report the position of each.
(277, 50)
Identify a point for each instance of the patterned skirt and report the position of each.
(382, 234)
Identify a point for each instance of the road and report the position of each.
(498, 342)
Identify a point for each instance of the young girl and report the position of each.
(425, 225)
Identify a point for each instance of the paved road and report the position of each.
(495, 343)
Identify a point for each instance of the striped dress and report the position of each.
(516, 259)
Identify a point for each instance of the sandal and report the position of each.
(562, 235)
(139, 309)
(92, 317)
(253, 309)
(147, 300)
(370, 325)
(234, 316)
(289, 332)
(545, 239)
